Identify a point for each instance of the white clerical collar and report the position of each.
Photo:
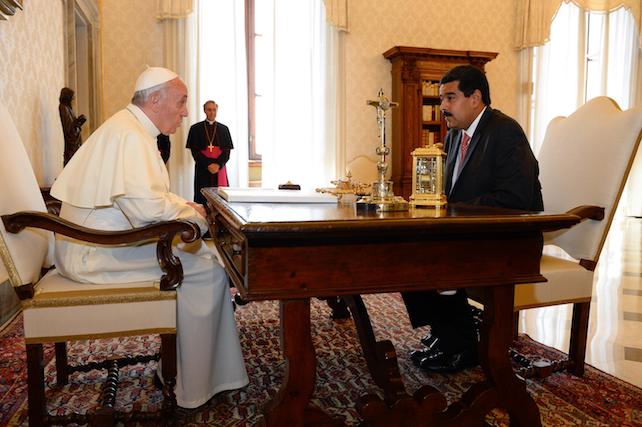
(471, 129)
(147, 124)
(210, 123)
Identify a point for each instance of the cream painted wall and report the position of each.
(376, 26)
(31, 76)
(131, 39)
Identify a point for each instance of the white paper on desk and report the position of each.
(271, 195)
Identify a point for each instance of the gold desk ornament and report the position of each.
(382, 197)
(346, 189)
(428, 165)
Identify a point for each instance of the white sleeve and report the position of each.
(145, 211)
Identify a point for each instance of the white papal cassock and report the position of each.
(116, 181)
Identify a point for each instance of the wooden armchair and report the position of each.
(584, 163)
(57, 309)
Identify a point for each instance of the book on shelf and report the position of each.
(428, 137)
(429, 88)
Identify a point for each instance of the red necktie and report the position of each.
(465, 139)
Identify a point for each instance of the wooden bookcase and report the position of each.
(416, 72)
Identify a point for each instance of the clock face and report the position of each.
(426, 172)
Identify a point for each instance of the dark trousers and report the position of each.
(449, 316)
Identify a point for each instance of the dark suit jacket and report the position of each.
(499, 169)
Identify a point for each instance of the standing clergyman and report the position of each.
(210, 143)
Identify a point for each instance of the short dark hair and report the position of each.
(209, 102)
(470, 78)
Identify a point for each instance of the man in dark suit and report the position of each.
(210, 143)
(489, 162)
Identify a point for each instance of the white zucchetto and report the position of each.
(154, 76)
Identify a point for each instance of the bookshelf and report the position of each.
(417, 121)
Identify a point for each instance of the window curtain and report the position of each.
(621, 78)
(337, 13)
(223, 76)
(554, 76)
(337, 19)
(556, 67)
(534, 17)
(173, 9)
(298, 141)
(178, 26)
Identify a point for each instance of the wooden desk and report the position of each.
(292, 252)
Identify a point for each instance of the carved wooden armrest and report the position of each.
(163, 231)
(588, 212)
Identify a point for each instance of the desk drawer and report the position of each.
(233, 248)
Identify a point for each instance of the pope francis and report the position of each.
(116, 181)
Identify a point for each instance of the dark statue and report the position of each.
(71, 124)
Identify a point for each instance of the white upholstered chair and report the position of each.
(57, 310)
(585, 160)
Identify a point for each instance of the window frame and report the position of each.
(250, 49)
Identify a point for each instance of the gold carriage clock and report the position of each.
(428, 176)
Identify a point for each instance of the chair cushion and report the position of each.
(567, 282)
(64, 310)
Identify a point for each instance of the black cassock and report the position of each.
(164, 146)
(201, 136)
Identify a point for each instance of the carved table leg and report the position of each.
(380, 356)
(496, 336)
(428, 406)
(398, 407)
(291, 407)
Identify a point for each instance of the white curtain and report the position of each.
(561, 81)
(623, 85)
(173, 9)
(623, 57)
(556, 67)
(298, 138)
(223, 76)
(337, 13)
(179, 45)
(534, 17)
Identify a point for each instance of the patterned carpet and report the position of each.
(597, 399)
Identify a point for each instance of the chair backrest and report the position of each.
(585, 160)
(24, 253)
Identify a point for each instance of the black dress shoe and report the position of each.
(418, 355)
(429, 341)
(432, 346)
(448, 363)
